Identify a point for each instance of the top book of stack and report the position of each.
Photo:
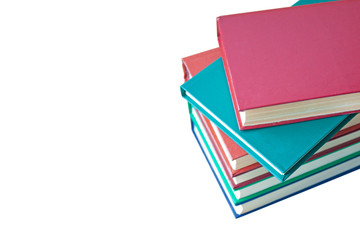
(292, 64)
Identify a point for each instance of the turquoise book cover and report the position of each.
(280, 149)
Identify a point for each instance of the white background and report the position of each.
(95, 139)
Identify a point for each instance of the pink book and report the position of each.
(292, 64)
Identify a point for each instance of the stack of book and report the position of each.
(274, 107)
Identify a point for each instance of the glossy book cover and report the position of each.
(292, 64)
(280, 149)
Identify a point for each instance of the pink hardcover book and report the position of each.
(292, 64)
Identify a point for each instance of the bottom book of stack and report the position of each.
(258, 192)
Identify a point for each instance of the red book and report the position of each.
(292, 64)
(193, 64)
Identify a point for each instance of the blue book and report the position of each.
(280, 149)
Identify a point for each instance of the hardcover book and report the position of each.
(237, 159)
(292, 64)
(280, 149)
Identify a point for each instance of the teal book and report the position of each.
(306, 2)
(280, 149)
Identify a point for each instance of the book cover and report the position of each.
(260, 173)
(279, 60)
(237, 159)
(280, 149)
(244, 164)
